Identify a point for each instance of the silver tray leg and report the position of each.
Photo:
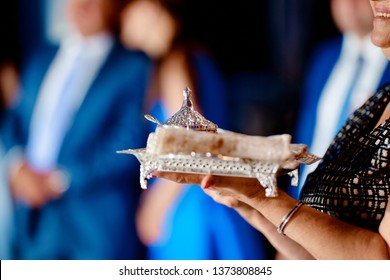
(268, 181)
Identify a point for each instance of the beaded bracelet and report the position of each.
(288, 216)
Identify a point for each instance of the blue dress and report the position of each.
(196, 227)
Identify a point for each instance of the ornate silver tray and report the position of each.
(265, 172)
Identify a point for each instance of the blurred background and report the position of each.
(260, 46)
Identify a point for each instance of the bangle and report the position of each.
(288, 216)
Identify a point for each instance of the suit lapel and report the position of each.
(36, 69)
(94, 105)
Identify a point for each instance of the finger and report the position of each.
(224, 181)
(227, 181)
(207, 181)
(234, 186)
(56, 183)
(181, 178)
(226, 200)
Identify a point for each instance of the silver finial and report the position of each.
(187, 116)
(187, 94)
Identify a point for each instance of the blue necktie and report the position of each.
(344, 113)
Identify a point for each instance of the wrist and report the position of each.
(257, 199)
(288, 216)
(14, 162)
(273, 208)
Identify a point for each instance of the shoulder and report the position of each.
(127, 67)
(39, 57)
(34, 66)
(127, 57)
(329, 47)
(322, 60)
(384, 89)
(126, 72)
(327, 52)
(41, 53)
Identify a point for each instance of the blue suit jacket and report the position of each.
(320, 68)
(95, 218)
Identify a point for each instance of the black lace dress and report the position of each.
(353, 180)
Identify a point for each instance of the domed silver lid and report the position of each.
(187, 117)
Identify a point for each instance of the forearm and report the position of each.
(281, 243)
(323, 236)
(154, 206)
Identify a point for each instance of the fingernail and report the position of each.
(206, 185)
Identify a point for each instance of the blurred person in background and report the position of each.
(177, 221)
(9, 81)
(9, 61)
(342, 74)
(79, 103)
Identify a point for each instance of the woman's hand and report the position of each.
(241, 194)
(221, 191)
(243, 189)
(181, 178)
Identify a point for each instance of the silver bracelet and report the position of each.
(288, 216)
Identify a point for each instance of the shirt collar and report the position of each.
(353, 47)
(91, 46)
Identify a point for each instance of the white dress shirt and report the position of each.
(74, 67)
